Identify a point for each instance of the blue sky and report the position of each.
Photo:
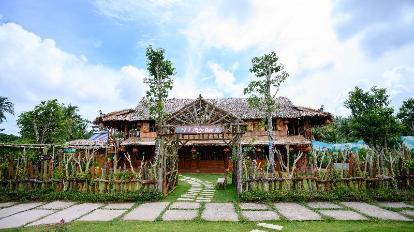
(92, 53)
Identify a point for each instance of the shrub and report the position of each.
(339, 194)
(50, 195)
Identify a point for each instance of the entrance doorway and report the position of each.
(204, 159)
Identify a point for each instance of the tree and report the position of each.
(160, 83)
(339, 131)
(52, 122)
(406, 115)
(6, 106)
(262, 92)
(372, 118)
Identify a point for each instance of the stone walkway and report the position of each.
(200, 191)
(13, 214)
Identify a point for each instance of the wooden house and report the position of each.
(134, 132)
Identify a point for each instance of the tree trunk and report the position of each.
(160, 175)
(271, 165)
(239, 166)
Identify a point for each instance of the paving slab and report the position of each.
(118, 206)
(185, 205)
(270, 226)
(22, 218)
(179, 215)
(293, 211)
(57, 205)
(256, 206)
(147, 211)
(345, 215)
(68, 214)
(7, 204)
(18, 208)
(219, 212)
(408, 212)
(375, 211)
(395, 205)
(323, 205)
(103, 215)
(260, 215)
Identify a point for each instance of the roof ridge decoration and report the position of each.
(201, 112)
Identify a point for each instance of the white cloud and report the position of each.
(34, 69)
(300, 31)
(226, 80)
(137, 10)
(323, 69)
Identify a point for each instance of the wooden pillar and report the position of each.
(193, 154)
(226, 158)
(287, 157)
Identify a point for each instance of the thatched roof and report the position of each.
(97, 140)
(236, 106)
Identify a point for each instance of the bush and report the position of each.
(50, 195)
(340, 194)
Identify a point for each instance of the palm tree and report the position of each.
(6, 106)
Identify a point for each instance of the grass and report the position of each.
(221, 195)
(199, 226)
(180, 189)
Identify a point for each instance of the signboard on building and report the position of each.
(69, 150)
(206, 129)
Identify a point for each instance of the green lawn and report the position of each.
(199, 226)
(180, 189)
(221, 195)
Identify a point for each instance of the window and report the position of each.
(152, 126)
(292, 128)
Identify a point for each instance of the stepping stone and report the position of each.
(23, 218)
(57, 205)
(185, 199)
(103, 215)
(188, 196)
(118, 206)
(68, 214)
(185, 205)
(323, 205)
(147, 211)
(408, 212)
(255, 230)
(395, 205)
(219, 212)
(203, 201)
(7, 204)
(256, 206)
(203, 198)
(375, 211)
(346, 215)
(260, 215)
(179, 215)
(270, 226)
(293, 211)
(18, 208)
